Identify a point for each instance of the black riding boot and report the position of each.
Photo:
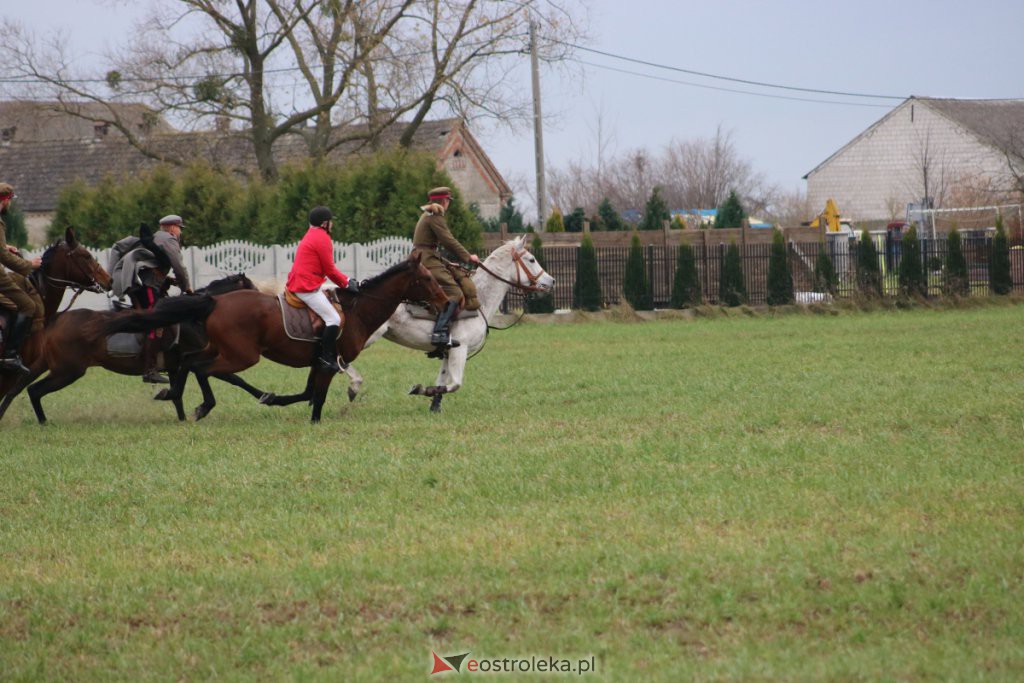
(20, 329)
(327, 361)
(441, 337)
(150, 373)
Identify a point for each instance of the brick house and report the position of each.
(43, 151)
(953, 151)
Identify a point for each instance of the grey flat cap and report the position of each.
(171, 220)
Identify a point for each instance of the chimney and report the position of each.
(7, 134)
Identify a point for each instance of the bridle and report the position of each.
(74, 285)
(521, 269)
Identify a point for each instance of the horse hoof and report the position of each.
(162, 395)
(351, 395)
(266, 399)
(200, 413)
(416, 390)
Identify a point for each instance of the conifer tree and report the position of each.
(655, 211)
(17, 234)
(730, 214)
(540, 302)
(732, 291)
(825, 279)
(1000, 278)
(957, 279)
(574, 221)
(780, 281)
(686, 284)
(869, 277)
(610, 218)
(635, 286)
(912, 279)
(586, 290)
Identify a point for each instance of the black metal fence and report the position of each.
(661, 266)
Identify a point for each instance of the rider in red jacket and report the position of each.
(313, 265)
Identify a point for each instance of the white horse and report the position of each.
(510, 265)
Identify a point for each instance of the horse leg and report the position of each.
(271, 399)
(321, 383)
(55, 381)
(355, 381)
(19, 385)
(236, 381)
(204, 408)
(449, 377)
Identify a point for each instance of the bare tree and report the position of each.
(933, 171)
(334, 71)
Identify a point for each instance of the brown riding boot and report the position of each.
(150, 374)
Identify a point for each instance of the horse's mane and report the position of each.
(48, 254)
(377, 279)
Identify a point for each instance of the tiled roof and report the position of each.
(994, 122)
(35, 121)
(40, 170)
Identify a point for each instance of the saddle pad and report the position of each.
(124, 344)
(297, 324)
(423, 313)
(129, 344)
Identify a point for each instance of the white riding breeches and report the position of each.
(317, 300)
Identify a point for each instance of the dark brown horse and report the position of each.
(66, 265)
(75, 341)
(242, 326)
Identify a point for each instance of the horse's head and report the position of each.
(519, 268)
(68, 264)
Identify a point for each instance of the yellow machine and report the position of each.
(830, 215)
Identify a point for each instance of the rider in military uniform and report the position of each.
(26, 307)
(431, 234)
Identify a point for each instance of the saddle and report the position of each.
(424, 313)
(301, 323)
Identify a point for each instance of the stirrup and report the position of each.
(327, 365)
(154, 377)
(14, 363)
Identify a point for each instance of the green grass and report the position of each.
(795, 498)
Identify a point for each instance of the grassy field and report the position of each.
(795, 498)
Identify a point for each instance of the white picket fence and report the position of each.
(268, 266)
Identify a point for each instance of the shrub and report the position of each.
(780, 281)
(957, 281)
(537, 302)
(509, 215)
(655, 211)
(371, 197)
(635, 286)
(686, 284)
(554, 222)
(610, 218)
(732, 291)
(825, 279)
(730, 214)
(17, 234)
(586, 290)
(912, 278)
(1000, 278)
(574, 221)
(869, 277)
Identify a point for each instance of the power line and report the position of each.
(732, 90)
(728, 78)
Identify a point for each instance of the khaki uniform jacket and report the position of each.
(432, 233)
(11, 293)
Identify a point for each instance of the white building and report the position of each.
(951, 151)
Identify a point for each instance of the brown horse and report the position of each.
(66, 265)
(75, 342)
(242, 326)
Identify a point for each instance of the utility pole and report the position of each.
(538, 133)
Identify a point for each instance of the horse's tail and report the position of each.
(169, 311)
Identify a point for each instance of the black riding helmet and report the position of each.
(320, 215)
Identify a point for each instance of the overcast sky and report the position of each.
(938, 48)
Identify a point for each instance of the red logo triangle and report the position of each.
(440, 665)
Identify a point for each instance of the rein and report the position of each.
(520, 270)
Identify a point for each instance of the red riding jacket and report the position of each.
(314, 263)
